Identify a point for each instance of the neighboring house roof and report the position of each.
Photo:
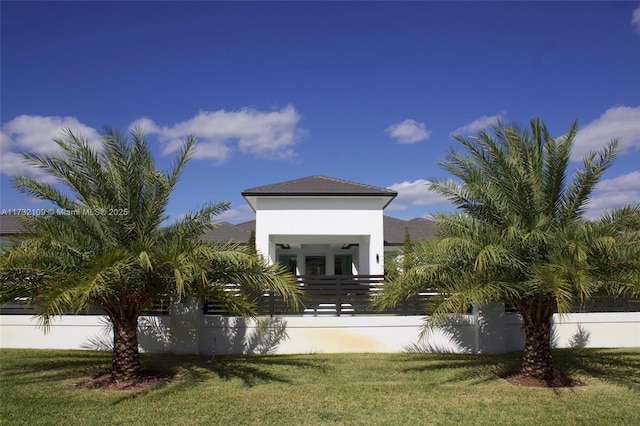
(418, 228)
(239, 233)
(393, 230)
(10, 224)
(317, 186)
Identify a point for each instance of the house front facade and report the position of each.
(321, 226)
(331, 234)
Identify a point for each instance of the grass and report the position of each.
(38, 387)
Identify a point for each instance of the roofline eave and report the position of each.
(251, 198)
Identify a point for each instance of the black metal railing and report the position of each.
(609, 304)
(599, 304)
(331, 295)
(337, 295)
(20, 306)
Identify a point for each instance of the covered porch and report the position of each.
(330, 255)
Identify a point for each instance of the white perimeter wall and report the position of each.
(321, 220)
(80, 332)
(491, 333)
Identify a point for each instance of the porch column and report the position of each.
(330, 263)
(364, 257)
(376, 250)
(272, 258)
(265, 247)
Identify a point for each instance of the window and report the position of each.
(289, 261)
(343, 264)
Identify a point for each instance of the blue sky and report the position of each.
(368, 92)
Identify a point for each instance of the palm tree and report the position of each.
(519, 235)
(106, 245)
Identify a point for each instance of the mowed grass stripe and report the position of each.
(38, 387)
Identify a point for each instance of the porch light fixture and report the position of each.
(377, 258)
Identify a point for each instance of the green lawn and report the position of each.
(39, 387)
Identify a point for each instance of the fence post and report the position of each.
(339, 295)
(272, 304)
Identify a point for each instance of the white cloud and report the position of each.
(616, 192)
(270, 134)
(12, 164)
(34, 134)
(635, 20)
(619, 122)
(409, 131)
(242, 214)
(478, 124)
(416, 193)
(628, 182)
(5, 143)
(146, 124)
(396, 206)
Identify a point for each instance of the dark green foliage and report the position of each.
(113, 251)
(251, 244)
(407, 250)
(519, 235)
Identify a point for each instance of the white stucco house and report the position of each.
(321, 226)
(332, 234)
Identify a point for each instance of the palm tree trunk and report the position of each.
(125, 367)
(537, 359)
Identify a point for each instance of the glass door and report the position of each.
(289, 261)
(315, 265)
(343, 264)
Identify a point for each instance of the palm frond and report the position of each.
(519, 235)
(582, 186)
(113, 250)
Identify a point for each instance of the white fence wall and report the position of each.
(490, 331)
(598, 330)
(80, 332)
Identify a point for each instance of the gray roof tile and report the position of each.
(418, 228)
(318, 185)
(10, 224)
(228, 232)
